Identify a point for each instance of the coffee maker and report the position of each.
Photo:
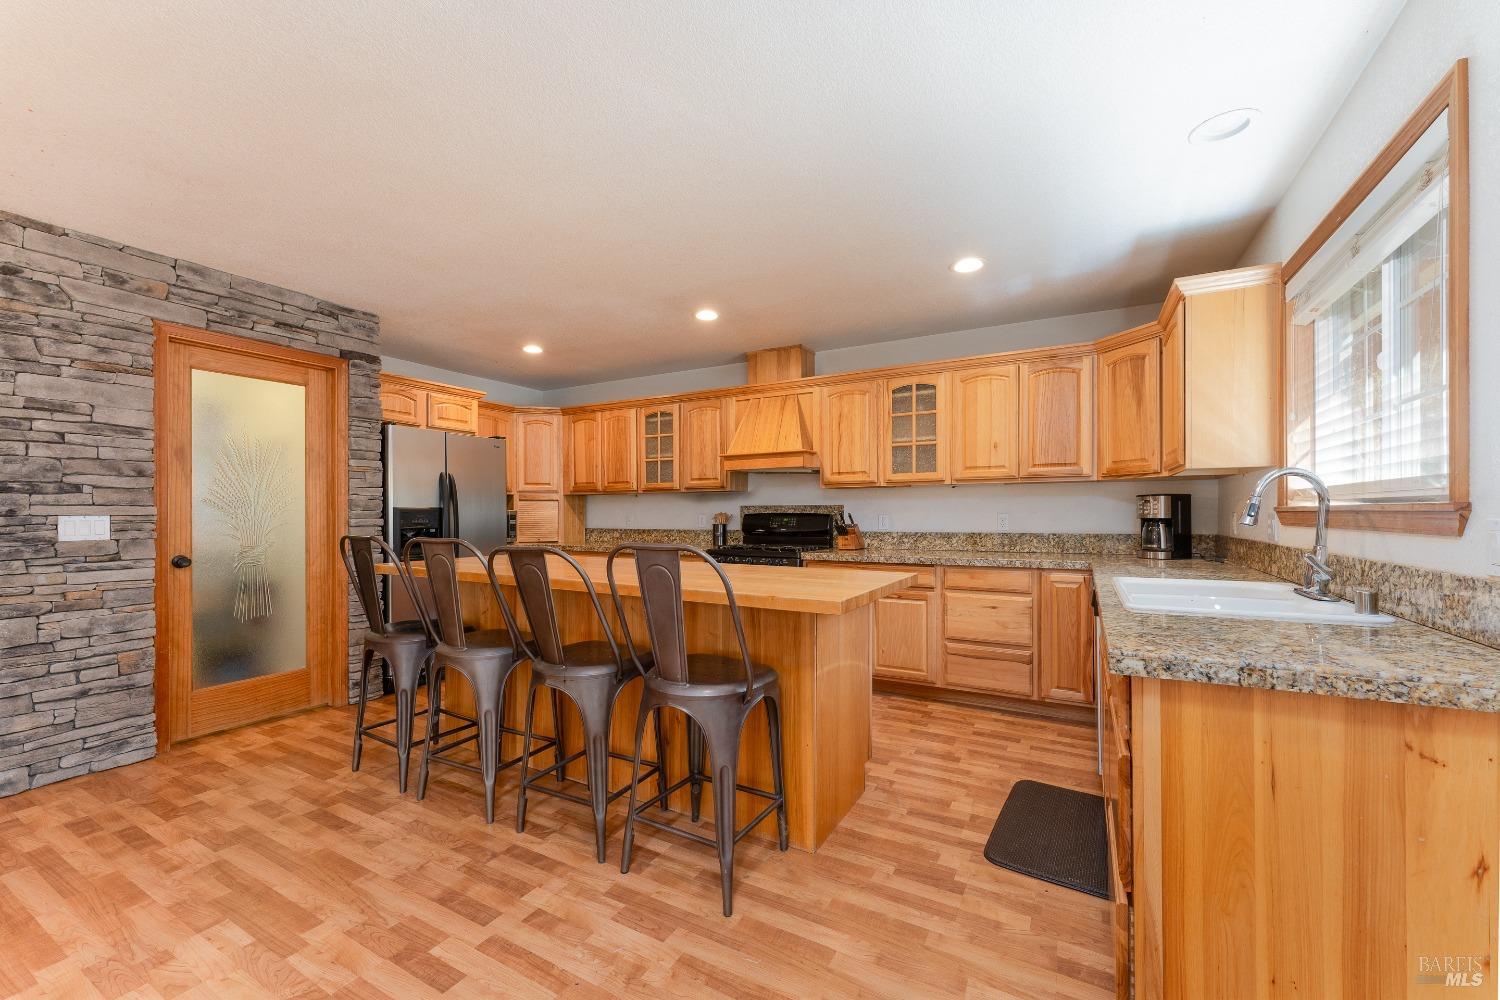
(1166, 526)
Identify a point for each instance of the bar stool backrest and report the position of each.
(528, 563)
(658, 570)
(440, 556)
(358, 552)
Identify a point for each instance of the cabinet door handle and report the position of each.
(181, 562)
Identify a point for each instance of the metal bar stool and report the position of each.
(716, 693)
(485, 658)
(406, 646)
(591, 674)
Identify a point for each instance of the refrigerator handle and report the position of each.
(445, 522)
(453, 501)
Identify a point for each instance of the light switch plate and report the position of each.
(83, 528)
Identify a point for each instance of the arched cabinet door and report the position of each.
(1057, 418)
(985, 426)
(851, 434)
(1130, 410)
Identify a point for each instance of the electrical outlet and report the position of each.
(702, 520)
(1492, 525)
(1273, 529)
(883, 522)
(1002, 522)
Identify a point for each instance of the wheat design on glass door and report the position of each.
(250, 489)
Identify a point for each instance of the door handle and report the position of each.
(181, 562)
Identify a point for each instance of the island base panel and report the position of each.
(824, 662)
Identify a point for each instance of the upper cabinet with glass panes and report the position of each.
(659, 451)
(915, 413)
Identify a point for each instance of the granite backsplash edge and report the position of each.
(1465, 606)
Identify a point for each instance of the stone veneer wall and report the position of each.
(77, 625)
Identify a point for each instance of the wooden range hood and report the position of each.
(772, 435)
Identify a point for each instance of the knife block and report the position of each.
(854, 541)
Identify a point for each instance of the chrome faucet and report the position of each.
(1316, 576)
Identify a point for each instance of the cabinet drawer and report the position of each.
(926, 575)
(984, 668)
(976, 617)
(1011, 581)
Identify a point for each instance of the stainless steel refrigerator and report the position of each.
(442, 485)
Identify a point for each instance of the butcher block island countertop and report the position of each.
(811, 623)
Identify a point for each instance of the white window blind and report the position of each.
(1368, 351)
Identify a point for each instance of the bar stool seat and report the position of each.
(713, 676)
(580, 659)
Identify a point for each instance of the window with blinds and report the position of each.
(1367, 390)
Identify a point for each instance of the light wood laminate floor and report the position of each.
(256, 864)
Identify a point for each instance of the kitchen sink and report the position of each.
(1235, 599)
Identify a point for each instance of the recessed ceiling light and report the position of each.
(1224, 125)
(532, 348)
(968, 265)
(707, 315)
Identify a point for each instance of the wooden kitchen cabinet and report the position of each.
(583, 462)
(1130, 409)
(705, 426)
(988, 631)
(1065, 634)
(987, 617)
(538, 437)
(1174, 392)
(661, 447)
(538, 520)
(617, 450)
(1057, 418)
(851, 434)
(906, 637)
(914, 446)
(705, 432)
(452, 411)
(402, 402)
(417, 403)
(493, 421)
(984, 425)
(1221, 355)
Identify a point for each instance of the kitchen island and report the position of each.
(811, 623)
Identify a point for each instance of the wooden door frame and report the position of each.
(328, 673)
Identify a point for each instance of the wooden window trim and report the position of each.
(1439, 517)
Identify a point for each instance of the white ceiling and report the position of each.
(586, 175)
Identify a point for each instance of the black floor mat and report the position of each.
(1054, 834)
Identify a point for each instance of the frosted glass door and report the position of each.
(249, 513)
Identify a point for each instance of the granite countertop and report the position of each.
(956, 557)
(1404, 663)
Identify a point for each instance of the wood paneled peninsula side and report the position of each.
(1248, 762)
(811, 623)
